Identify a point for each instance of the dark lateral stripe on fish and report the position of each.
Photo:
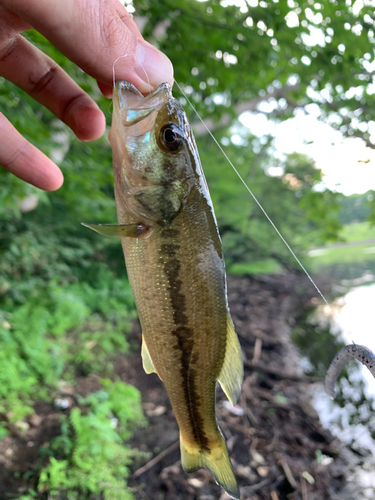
(184, 335)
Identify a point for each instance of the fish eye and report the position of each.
(170, 138)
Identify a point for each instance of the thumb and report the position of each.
(94, 34)
(146, 68)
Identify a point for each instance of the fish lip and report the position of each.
(128, 97)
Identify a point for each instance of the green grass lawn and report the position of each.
(331, 255)
(358, 231)
(267, 266)
(323, 257)
(343, 255)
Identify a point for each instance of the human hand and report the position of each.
(92, 34)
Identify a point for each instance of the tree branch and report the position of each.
(252, 105)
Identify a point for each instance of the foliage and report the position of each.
(295, 54)
(89, 456)
(65, 302)
(371, 204)
(346, 254)
(54, 337)
(356, 207)
(304, 214)
(300, 55)
(358, 231)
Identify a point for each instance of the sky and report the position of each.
(348, 165)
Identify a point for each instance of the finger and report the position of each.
(26, 161)
(106, 90)
(93, 34)
(12, 22)
(38, 75)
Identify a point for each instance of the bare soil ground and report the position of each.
(278, 446)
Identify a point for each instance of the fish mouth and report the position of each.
(133, 106)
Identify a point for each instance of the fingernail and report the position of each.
(153, 67)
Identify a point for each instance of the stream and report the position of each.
(351, 416)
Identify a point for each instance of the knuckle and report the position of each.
(67, 109)
(7, 47)
(41, 83)
(12, 158)
(114, 32)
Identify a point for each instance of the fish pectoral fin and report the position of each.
(215, 459)
(231, 374)
(148, 365)
(117, 230)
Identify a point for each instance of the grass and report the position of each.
(357, 231)
(323, 257)
(343, 255)
(267, 266)
(346, 254)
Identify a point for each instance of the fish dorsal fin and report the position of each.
(148, 365)
(231, 374)
(117, 230)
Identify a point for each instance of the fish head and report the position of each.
(155, 158)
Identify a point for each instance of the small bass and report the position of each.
(175, 265)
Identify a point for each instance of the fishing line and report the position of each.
(333, 370)
(140, 64)
(114, 77)
(360, 352)
(239, 176)
(114, 64)
(255, 198)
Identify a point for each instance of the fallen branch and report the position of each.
(305, 493)
(288, 473)
(247, 490)
(280, 374)
(252, 105)
(155, 460)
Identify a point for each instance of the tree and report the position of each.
(293, 54)
(61, 285)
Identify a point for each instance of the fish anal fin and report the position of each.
(231, 374)
(148, 365)
(215, 459)
(118, 230)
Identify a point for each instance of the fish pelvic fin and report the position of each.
(231, 375)
(148, 365)
(215, 459)
(117, 230)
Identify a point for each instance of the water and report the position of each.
(351, 417)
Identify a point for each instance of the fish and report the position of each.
(175, 266)
(348, 352)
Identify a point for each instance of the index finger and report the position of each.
(93, 34)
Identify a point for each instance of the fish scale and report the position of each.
(189, 317)
(175, 266)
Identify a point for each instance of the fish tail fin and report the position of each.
(216, 459)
